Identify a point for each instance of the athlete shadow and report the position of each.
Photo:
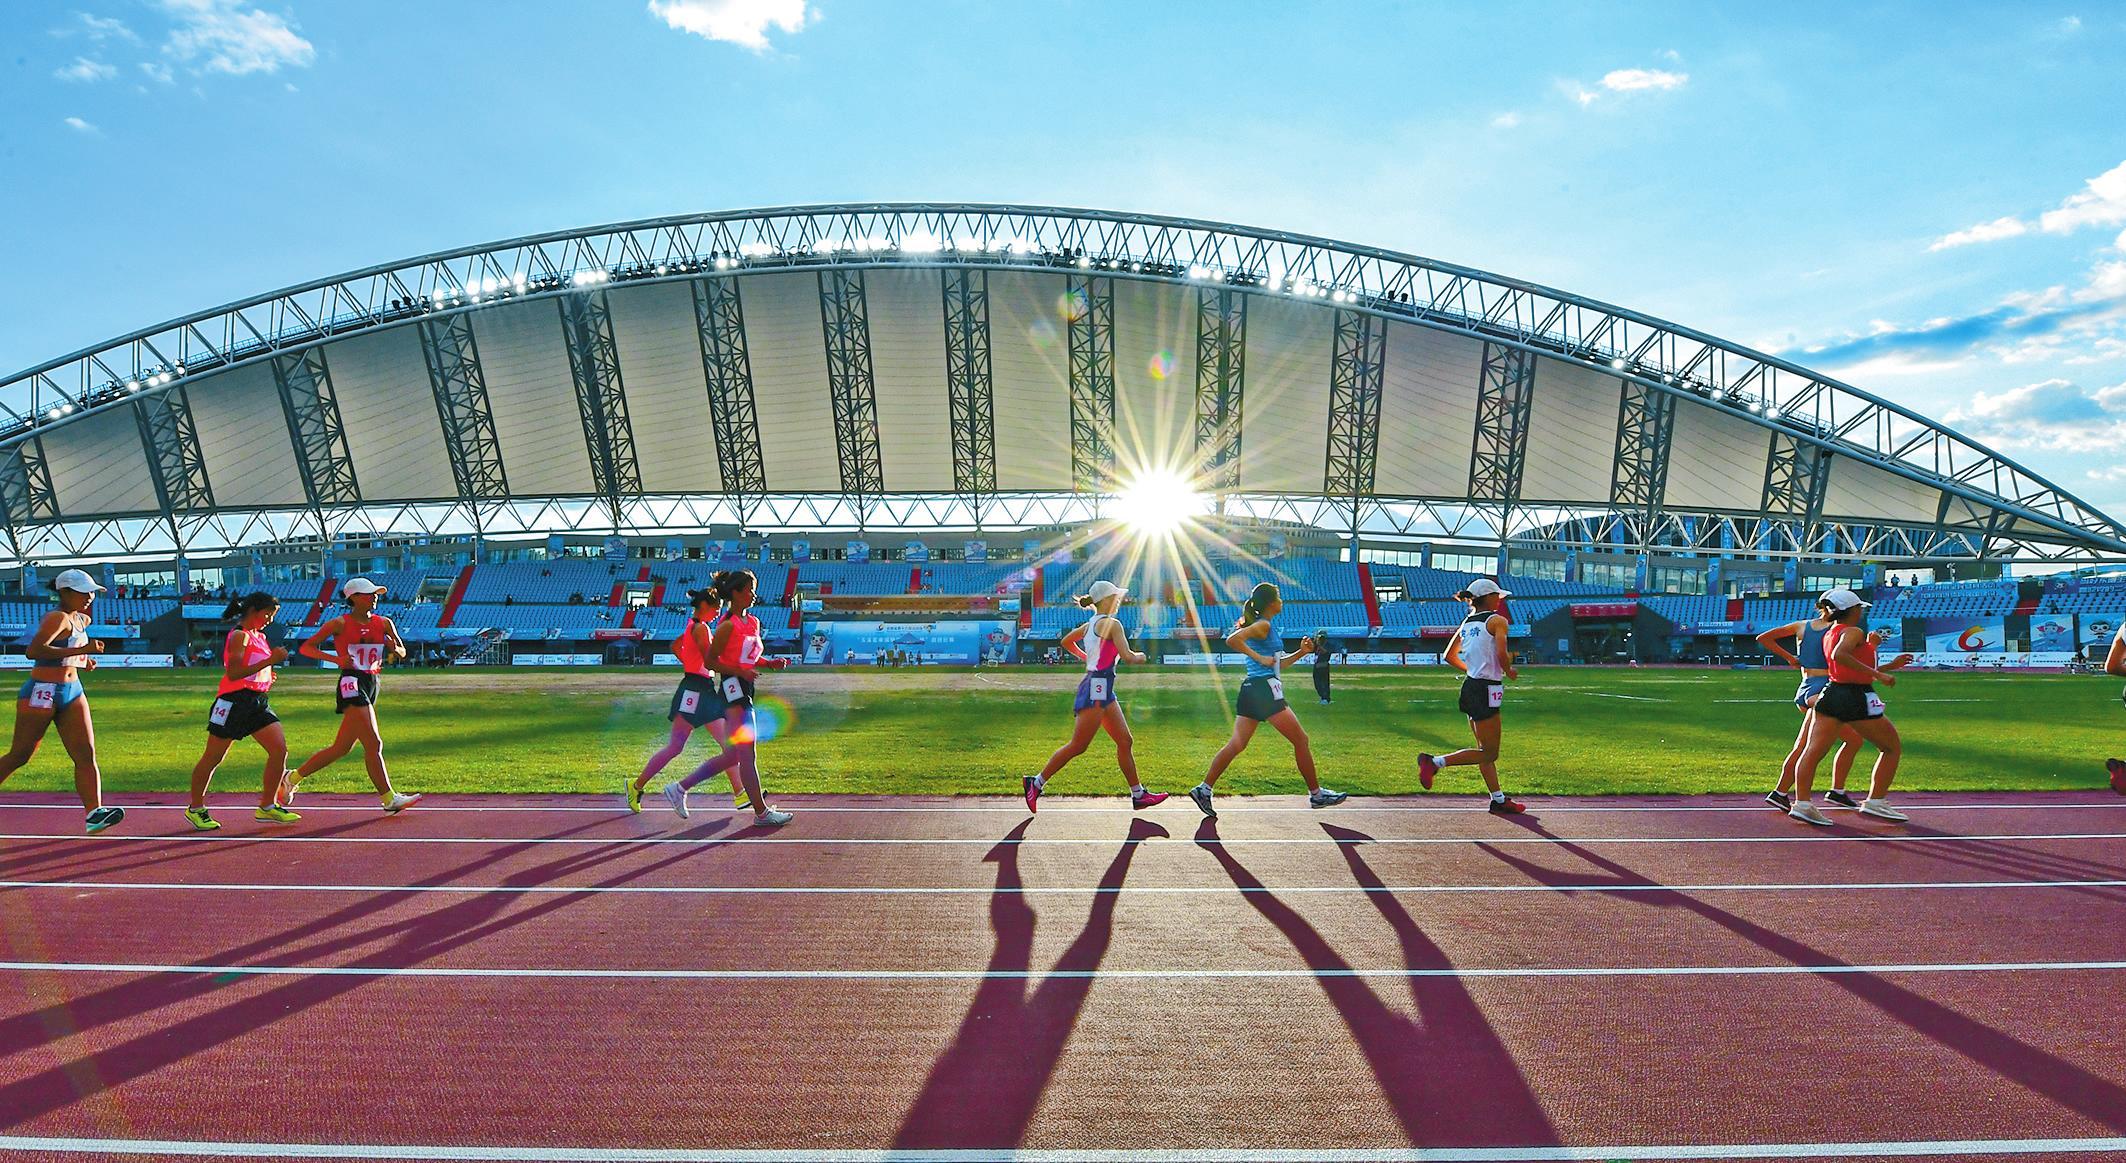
(983, 1090)
(2006, 861)
(413, 941)
(162, 851)
(2093, 1096)
(1429, 1068)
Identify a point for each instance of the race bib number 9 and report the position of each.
(1097, 689)
(350, 686)
(1498, 696)
(749, 652)
(1276, 688)
(366, 655)
(689, 702)
(733, 689)
(43, 695)
(219, 716)
(1874, 704)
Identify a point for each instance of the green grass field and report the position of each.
(1569, 730)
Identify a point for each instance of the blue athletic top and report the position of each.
(1271, 644)
(1810, 648)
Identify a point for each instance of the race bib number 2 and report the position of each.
(733, 689)
(750, 651)
(350, 686)
(219, 716)
(1874, 704)
(43, 695)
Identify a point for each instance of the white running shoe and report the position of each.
(677, 797)
(1881, 810)
(1805, 811)
(774, 818)
(399, 802)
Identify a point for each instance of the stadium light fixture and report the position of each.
(1157, 502)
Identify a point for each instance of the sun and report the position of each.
(1157, 501)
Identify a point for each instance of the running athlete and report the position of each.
(697, 703)
(361, 641)
(2115, 664)
(1102, 643)
(735, 653)
(240, 711)
(1815, 676)
(58, 649)
(1851, 700)
(1262, 698)
(1480, 651)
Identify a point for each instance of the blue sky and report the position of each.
(1929, 200)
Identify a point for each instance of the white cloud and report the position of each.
(1631, 80)
(1506, 121)
(79, 126)
(2116, 472)
(741, 22)
(2051, 414)
(227, 37)
(2068, 25)
(2102, 202)
(99, 28)
(86, 71)
(157, 72)
(1992, 231)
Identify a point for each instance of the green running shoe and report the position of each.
(200, 820)
(274, 814)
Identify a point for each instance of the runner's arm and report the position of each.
(1898, 663)
(1238, 640)
(1499, 630)
(1121, 637)
(391, 638)
(1071, 639)
(2115, 663)
(328, 631)
(1848, 651)
(1770, 641)
(1453, 656)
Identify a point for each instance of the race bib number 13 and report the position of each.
(42, 695)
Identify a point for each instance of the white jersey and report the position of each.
(1100, 653)
(1480, 651)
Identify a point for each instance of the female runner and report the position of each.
(1479, 649)
(1262, 698)
(240, 711)
(1851, 700)
(697, 703)
(1815, 676)
(1102, 643)
(58, 649)
(2115, 664)
(735, 652)
(361, 641)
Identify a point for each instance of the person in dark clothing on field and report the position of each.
(1322, 650)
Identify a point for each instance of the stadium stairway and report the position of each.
(618, 597)
(915, 579)
(456, 598)
(1372, 600)
(789, 592)
(317, 608)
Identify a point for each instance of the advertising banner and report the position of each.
(801, 549)
(616, 632)
(915, 553)
(977, 552)
(1964, 635)
(2052, 633)
(2098, 629)
(946, 643)
(556, 659)
(121, 661)
(857, 553)
(616, 549)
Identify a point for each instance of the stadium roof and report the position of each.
(946, 365)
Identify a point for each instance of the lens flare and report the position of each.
(1072, 305)
(1162, 365)
(772, 718)
(1043, 333)
(1157, 501)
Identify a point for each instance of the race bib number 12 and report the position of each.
(1498, 696)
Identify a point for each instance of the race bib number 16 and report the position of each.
(350, 686)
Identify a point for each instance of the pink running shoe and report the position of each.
(1507, 807)
(2117, 768)
(1150, 799)
(1427, 767)
(1033, 794)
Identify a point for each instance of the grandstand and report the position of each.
(933, 414)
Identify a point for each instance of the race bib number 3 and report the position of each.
(43, 695)
(1874, 704)
(689, 702)
(219, 716)
(1276, 688)
(733, 689)
(1097, 689)
(1498, 696)
(350, 686)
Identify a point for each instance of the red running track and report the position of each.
(542, 978)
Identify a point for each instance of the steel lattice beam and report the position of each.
(846, 323)
(175, 463)
(460, 387)
(1090, 310)
(314, 429)
(1645, 428)
(1358, 361)
(601, 398)
(720, 317)
(1505, 392)
(967, 381)
(26, 485)
(1796, 476)
(1221, 348)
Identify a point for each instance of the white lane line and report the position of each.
(1476, 806)
(1046, 890)
(595, 974)
(1604, 695)
(1044, 841)
(1881, 1149)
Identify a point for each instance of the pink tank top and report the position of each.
(245, 647)
(1100, 653)
(689, 652)
(363, 644)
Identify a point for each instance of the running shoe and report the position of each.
(634, 796)
(399, 801)
(1202, 796)
(103, 818)
(1150, 799)
(1033, 792)
(1427, 767)
(774, 818)
(1325, 798)
(1839, 796)
(272, 814)
(2117, 768)
(1507, 807)
(1881, 810)
(676, 796)
(285, 795)
(200, 820)
(1779, 799)
(1808, 813)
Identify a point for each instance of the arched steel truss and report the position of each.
(1990, 504)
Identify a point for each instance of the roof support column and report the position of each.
(720, 317)
(304, 381)
(1646, 425)
(1091, 311)
(1505, 391)
(460, 387)
(846, 323)
(1221, 348)
(26, 495)
(601, 399)
(968, 382)
(1358, 361)
(175, 462)
(1796, 474)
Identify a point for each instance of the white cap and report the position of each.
(77, 580)
(1104, 589)
(1843, 599)
(1484, 587)
(360, 585)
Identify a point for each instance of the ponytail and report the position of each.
(1085, 600)
(729, 582)
(250, 603)
(1251, 611)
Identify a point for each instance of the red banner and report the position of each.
(615, 633)
(1605, 610)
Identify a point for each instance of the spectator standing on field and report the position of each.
(1321, 668)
